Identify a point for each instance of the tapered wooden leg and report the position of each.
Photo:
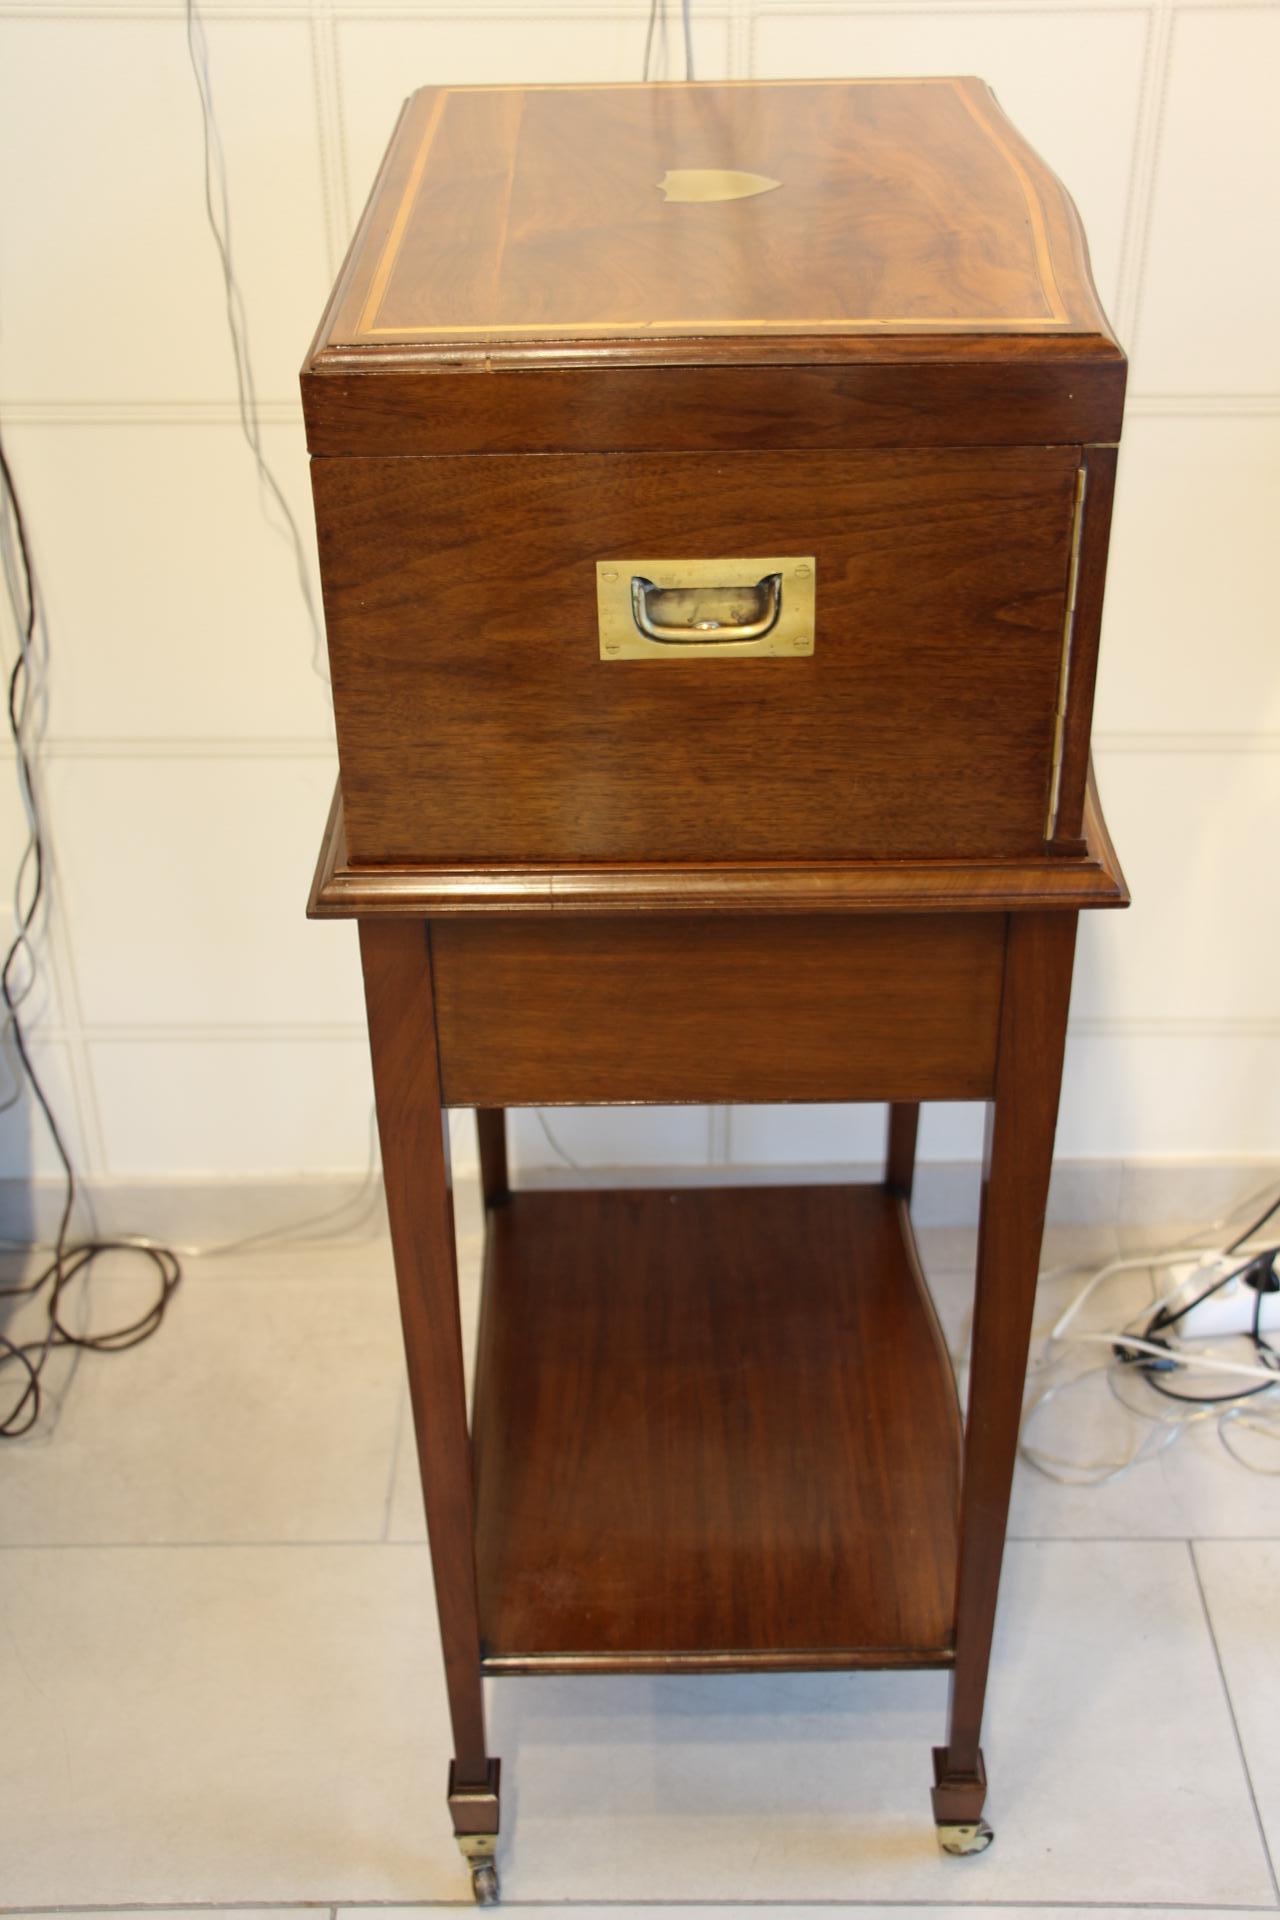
(415, 1163)
(491, 1125)
(1017, 1160)
(900, 1157)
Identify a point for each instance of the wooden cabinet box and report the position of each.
(833, 348)
(713, 487)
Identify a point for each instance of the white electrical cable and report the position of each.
(1165, 1425)
(1194, 1360)
(218, 213)
(217, 205)
(1247, 1418)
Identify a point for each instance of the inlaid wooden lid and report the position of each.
(900, 206)
(756, 223)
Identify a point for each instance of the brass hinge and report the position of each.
(1064, 665)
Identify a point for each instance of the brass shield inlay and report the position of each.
(714, 183)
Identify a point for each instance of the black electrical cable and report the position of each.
(648, 38)
(1250, 1232)
(1166, 1318)
(1266, 1354)
(69, 1258)
(687, 24)
(1260, 1265)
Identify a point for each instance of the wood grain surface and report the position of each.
(415, 1168)
(343, 891)
(544, 1012)
(712, 1427)
(1017, 1161)
(919, 277)
(477, 722)
(368, 402)
(899, 205)
(1086, 633)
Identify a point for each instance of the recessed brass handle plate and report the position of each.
(739, 609)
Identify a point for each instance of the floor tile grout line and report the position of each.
(184, 1546)
(372, 1540)
(710, 1906)
(1235, 1724)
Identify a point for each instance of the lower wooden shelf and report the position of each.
(713, 1428)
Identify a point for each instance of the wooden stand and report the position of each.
(713, 490)
(724, 1418)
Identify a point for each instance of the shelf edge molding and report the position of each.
(1092, 878)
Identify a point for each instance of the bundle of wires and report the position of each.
(23, 1363)
(1146, 1355)
(27, 1359)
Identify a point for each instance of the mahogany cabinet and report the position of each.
(713, 487)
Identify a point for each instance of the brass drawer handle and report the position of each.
(706, 616)
(744, 607)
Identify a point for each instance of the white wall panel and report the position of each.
(173, 617)
(806, 1136)
(1192, 622)
(184, 887)
(828, 1135)
(25, 1144)
(611, 1137)
(117, 295)
(1070, 80)
(1170, 1093)
(952, 1130)
(171, 600)
(386, 58)
(1196, 833)
(1211, 290)
(194, 1107)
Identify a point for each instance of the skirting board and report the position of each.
(1148, 1200)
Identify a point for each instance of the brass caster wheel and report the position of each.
(484, 1883)
(974, 1837)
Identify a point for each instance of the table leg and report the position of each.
(1018, 1156)
(415, 1162)
(491, 1126)
(900, 1156)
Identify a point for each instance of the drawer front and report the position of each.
(477, 720)
(539, 1011)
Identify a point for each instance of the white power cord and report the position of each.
(1126, 1375)
(217, 206)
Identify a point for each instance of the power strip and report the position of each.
(1228, 1311)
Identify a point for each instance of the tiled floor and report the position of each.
(220, 1689)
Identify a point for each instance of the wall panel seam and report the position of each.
(85, 412)
(1184, 1026)
(722, 10)
(230, 1033)
(88, 412)
(842, 9)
